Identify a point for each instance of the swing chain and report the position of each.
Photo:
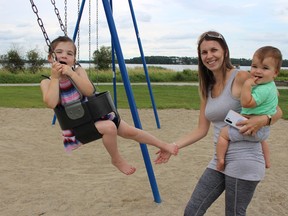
(59, 18)
(78, 35)
(97, 25)
(40, 23)
(65, 9)
(89, 32)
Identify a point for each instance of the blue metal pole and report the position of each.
(74, 38)
(54, 119)
(144, 63)
(113, 65)
(78, 20)
(114, 75)
(130, 97)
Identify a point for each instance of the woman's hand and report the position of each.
(163, 157)
(252, 125)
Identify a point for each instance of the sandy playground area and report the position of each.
(39, 178)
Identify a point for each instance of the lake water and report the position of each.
(176, 68)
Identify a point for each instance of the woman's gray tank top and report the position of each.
(244, 160)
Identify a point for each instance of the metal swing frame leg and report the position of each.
(129, 93)
(130, 97)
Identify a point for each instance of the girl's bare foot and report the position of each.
(123, 166)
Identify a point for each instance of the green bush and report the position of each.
(12, 61)
(283, 73)
(7, 77)
(156, 74)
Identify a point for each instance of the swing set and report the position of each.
(81, 115)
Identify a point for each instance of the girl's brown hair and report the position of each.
(58, 40)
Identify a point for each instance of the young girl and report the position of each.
(59, 90)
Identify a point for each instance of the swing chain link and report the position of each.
(59, 17)
(40, 23)
(78, 34)
(65, 9)
(65, 16)
(89, 32)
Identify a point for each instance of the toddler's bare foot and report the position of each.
(123, 166)
(220, 164)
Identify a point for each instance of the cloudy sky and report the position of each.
(167, 27)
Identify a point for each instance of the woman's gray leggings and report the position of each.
(238, 194)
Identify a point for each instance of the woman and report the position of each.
(220, 87)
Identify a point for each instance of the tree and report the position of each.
(102, 58)
(12, 61)
(35, 62)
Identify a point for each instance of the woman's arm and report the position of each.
(190, 138)
(199, 132)
(254, 123)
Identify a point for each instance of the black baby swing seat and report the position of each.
(80, 116)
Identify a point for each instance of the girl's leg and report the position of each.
(209, 187)
(238, 195)
(109, 139)
(129, 132)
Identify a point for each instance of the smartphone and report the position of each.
(233, 117)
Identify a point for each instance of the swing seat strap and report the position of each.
(75, 110)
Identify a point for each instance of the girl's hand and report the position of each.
(56, 70)
(163, 157)
(67, 70)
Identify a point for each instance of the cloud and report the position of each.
(166, 27)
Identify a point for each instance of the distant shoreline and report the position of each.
(279, 84)
(175, 67)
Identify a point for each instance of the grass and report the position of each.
(156, 74)
(165, 97)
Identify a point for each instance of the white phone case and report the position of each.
(233, 117)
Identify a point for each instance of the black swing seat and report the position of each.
(80, 116)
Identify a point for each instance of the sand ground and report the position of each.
(39, 178)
